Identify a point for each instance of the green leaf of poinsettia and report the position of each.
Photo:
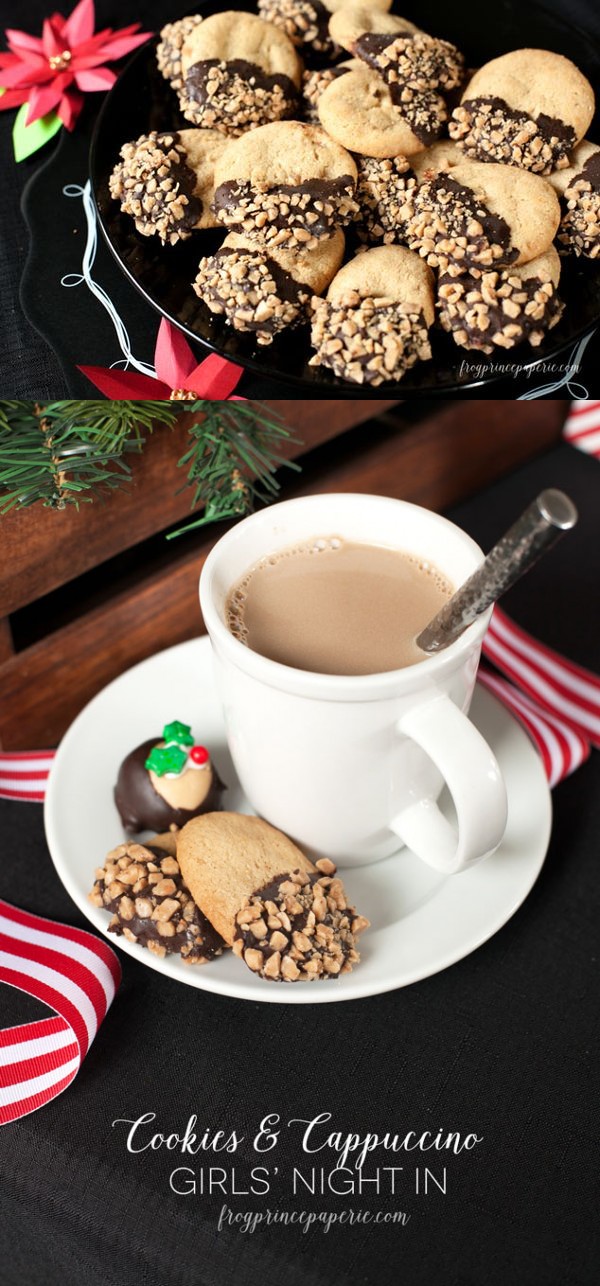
(28, 138)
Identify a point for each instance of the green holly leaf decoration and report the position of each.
(27, 139)
(166, 759)
(180, 733)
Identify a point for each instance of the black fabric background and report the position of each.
(503, 1044)
(28, 368)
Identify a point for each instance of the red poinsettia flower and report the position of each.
(178, 376)
(53, 72)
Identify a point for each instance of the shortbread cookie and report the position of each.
(358, 111)
(287, 184)
(486, 310)
(306, 22)
(314, 83)
(579, 189)
(166, 182)
(397, 50)
(238, 72)
(170, 45)
(142, 885)
(385, 195)
(482, 214)
(373, 324)
(287, 919)
(265, 291)
(166, 781)
(528, 108)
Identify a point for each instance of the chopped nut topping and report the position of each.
(294, 952)
(252, 291)
(305, 22)
(452, 222)
(168, 51)
(488, 310)
(385, 194)
(233, 96)
(425, 62)
(286, 215)
(155, 185)
(580, 226)
(489, 130)
(368, 341)
(314, 83)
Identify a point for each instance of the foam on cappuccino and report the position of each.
(334, 606)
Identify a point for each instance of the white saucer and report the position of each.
(421, 921)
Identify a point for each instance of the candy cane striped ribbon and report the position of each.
(76, 975)
(23, 774)
(582, 427)
(561, 747)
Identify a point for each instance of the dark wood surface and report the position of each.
(84, 635)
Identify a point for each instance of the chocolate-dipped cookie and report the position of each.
(306, 22)
(474, 214)
(170, 46)
(166, 781)
(528, 108)
(487, 310)
(238, 72)
(373, 325)
(358, 111)
(397, 50)
(142, 885)
(264, 290)
(286, 184)
(166, 182)
(315, 82)
(579, 189)
(288, 919)
(385, 197)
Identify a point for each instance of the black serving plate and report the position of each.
(141, 101)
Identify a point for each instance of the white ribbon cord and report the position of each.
(85, 277)
(576, 391)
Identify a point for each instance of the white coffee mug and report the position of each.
(351, 766)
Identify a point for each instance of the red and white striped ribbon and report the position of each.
(23, 774)
(582, 427)
(561, 746)
(77, 976)
(565, 690)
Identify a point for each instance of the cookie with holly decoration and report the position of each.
(166, 781)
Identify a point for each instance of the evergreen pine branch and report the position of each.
(232, 459)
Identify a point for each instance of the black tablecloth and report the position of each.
(84, 334)
(503, 1044)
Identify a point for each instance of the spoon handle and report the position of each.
(544, 521)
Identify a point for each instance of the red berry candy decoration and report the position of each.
(199, 756)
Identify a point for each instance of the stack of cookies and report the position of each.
(325, 133)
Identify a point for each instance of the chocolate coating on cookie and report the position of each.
(305, 22)
(286, 214)
(168, 51)
(450, 222)
(144, 888)
(155, 185)
(252, 291)
(299, 928)
(233, 96)
(580, 226)
(489, 310)
(419, 60)
(385, 194)
(140, 806)
(489, 130)
(367, 340)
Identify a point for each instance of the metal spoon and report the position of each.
(540, 526)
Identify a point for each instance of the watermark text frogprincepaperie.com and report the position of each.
(513, 370)
(247, 1221)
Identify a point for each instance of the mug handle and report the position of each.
(473, 778)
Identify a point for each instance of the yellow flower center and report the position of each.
(60, 62)
(182, 395)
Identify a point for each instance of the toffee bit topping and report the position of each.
(232, 96)
(385, 194)
(488, 310)
(368, 341)
(488, 129)
(314, 83)
(299, 928)
(144, 888)
(451, 222)
(580, 227)
(154, 184)
(419, 60)
(424, 110)
(288, 215)
(252, 291)
(168, 50)
(305, 22)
